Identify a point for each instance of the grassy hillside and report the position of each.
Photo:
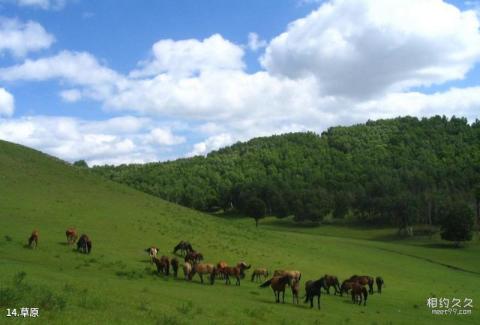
(116, 284)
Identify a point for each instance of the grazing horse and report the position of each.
(295, 290)
(187, 269)
(357, 291)
(278, 284)
(243, 266)
(163, 265)
(201, 269)
(174, 263)
(331, 281)
(312, 289)
(72, 235)
(219, 269)
(257, 273)
(152, 252)
(380, 283)
(33, 239)
(84, 244)
(184, 246)
(194, 257)
(235, 271)
(363, 280)
(294, 275)
(346, 286)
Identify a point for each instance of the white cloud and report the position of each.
(117, 140)
(164, 136)
(365, 48)
(188, 57)
(71, 95)
(19, 38)
(40, 4)
(7, 103)
(255, 43)
(211, 143)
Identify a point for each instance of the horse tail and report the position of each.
(266, 283)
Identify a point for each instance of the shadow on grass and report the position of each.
(62, 243)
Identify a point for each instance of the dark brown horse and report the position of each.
(346, 286)
(243, 266)
(33, 239)
(84, 244)
(174, 263)
(194, 257)
(163, 265)
(380, 283)
(359, 292)
(331, 281)
(184, 247)
(72, 235)
(278, 284)
(313, 289)
(363, 280)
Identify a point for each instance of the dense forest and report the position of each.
(399, 172)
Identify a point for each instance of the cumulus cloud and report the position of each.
(19, 38)
(115, 141)
(364, 48)
(188, 57)
(211, 143)
(255, 43)
(7, 103)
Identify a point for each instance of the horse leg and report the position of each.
(318, 301)
(201, 277)
(283, 296)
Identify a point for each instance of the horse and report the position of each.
(201, 269)
(163, 265)
(219, 268)
(295, 290)
(72, 235)
(84, 244)
(33, 239)
(363, 280)
(235, 271)
(184, 246)
(312, 289)
(243, 266)
(193, 257)
(174, 263)
(357, 291)
(278, 284)
(257, 273)
(187, 269)
(331, 281)
(152, 252)
(346, 286)
(380, 283)
(294, 275)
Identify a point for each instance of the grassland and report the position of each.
(116, 283)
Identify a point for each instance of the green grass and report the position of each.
(115, 284)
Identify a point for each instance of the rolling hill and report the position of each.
(115, 284)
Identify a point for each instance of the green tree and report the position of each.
(457, 223)
(81, 163)
(255, 208)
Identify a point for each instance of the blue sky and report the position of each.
(136, 81)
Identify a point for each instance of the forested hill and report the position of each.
(397, 171)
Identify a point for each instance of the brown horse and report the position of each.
(363, 280)
(184, 246)
(219, 269)
(312, 289)
(235, 271)
(187, 269)
(295, 290)
(380, 283)
(84, 244)
(72, 235)
(33, 239)
(174, 263)
(243, 266)
(331, 281)
(358, 291)
(202, 269)
(257, 273)
(193, 257)
(163, 265)
(346, 286)
(278, 284)
(294, 275)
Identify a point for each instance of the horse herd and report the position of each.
(356, 285)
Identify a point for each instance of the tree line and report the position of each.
(400, 172)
